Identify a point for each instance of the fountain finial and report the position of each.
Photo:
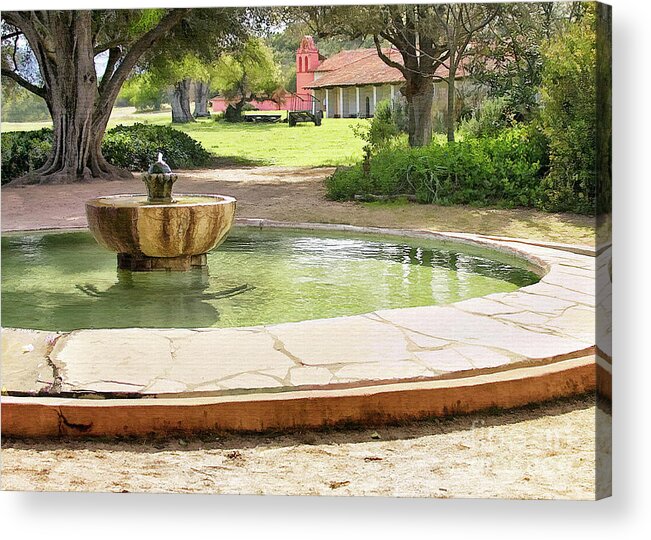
(159, 179)
(159, 167)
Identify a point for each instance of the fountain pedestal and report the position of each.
(152, 236)
(137, 262)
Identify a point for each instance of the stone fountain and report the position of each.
(160, 232)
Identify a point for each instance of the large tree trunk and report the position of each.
(71, 98)
(234, 111)
(420, 95)
(451, 114)
(62, 43)
(180, 101)
(201, 94)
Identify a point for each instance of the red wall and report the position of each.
(307, 60)
(219, 105)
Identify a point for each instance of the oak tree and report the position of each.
(65, 44)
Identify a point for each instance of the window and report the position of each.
(300, 63)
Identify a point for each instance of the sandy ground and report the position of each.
(537, 452)
(540, 453)
(292, 194)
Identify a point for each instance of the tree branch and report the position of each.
(13, 35)
(139, 48)
(114, 56)
(385, 58)
(38, 90)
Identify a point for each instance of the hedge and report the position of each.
(132, 147)
(505, 170)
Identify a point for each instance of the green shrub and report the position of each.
(493, 116)
(380, 131)
(569, 117)
(24, 151)
(135, 147)
(131, 147)
(504, 170)
(346, 182)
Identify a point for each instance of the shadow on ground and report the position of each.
(333, 435)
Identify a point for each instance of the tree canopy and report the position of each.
(247, 74)
(80, 95)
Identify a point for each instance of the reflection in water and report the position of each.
(66, 281)
(187, 298)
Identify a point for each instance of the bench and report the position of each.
(262, 117)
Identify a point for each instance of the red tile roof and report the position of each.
(363, 66)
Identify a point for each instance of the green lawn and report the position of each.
(332, 143)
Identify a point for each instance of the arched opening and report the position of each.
(307, 63)
(300, 64)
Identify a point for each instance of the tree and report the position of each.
(79, 97)
(201, 97)
(248, 74)
(80, 101)
(20, 105)
(143, 92)
(506, 57)
(423, 49)
(184, 62)
(460, 23)
(569, 114)
(179, 74)
(410, 29)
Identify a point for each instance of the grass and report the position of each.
(305, 145)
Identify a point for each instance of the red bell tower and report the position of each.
(307, 60)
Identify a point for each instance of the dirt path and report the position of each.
(545, 452)
(292, 194)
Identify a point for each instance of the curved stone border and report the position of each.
(501, 350)
(52, 417)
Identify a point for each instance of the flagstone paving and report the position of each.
(551, 320)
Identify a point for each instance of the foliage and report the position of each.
(144, 92)
(379, 132)
(24, 151)
(507, 56)
(493, 115)
(504, 170)
(132, 147)
(247, 74)
(20, 105)
(400, 114)
(569, 116)
(135, 147)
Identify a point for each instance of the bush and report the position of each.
(493, 116)
(131, 147)
(24, 151)
(379, 132)
(569, 117)
(505, 170)
(135, 147)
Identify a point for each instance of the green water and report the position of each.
(65, 281)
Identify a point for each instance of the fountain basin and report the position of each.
(173, 236)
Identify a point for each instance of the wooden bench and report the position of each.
(262, 117)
